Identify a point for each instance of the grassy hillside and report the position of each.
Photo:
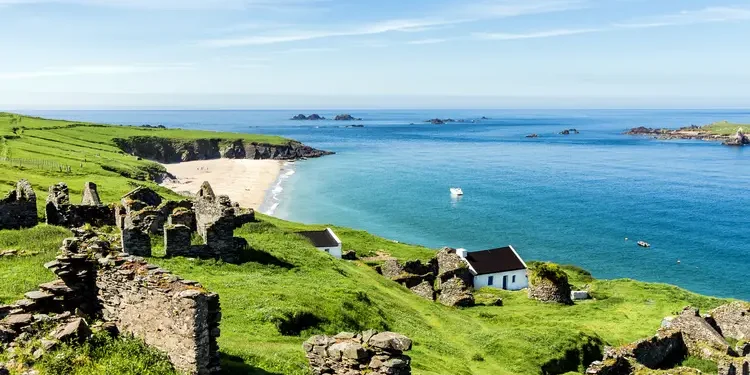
(49, 151)
(725, 128)
(290, 291)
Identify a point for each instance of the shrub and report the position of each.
(548, 271)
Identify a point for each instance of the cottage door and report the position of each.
(505, 282)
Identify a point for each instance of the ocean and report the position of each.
(571, 199)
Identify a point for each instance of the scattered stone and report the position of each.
(18, 320)
(579, 295)
(349, 255)
(733, 320)
(8, 253)
(77, 330)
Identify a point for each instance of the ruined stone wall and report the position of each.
(176, 316)
(59, 210)
(18, 208)
(355, 354)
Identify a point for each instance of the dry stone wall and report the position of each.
(368, 352)
(96, 281)
(18, 208)
(170, 314)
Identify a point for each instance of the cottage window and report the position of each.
(514, 278)
(490, 280)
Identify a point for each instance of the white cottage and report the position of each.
(499, 268)
(324, 240)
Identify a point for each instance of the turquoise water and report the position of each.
(569, 199)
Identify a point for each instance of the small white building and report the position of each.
(499, 268)
(324, 240)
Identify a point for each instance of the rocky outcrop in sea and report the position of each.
(313, 117)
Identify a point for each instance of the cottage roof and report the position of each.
(321, 238)
(503, 259)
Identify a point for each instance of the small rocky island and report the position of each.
(713, 132)
(570, 131)
(312, 117)
(346, 117)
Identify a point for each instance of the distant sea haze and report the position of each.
(570, 199)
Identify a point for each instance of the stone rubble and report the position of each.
(445, 278)
(688, 333)
(368, 352)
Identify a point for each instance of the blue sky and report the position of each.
(374, 54)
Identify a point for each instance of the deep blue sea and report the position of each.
(569, 199)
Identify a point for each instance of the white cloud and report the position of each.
(690, 17)
(515, 8)
(428, 41)
(302, 35)
(82, 70)
(533, 35)
(461, 14)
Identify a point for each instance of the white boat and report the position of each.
(457, 191)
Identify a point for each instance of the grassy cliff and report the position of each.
(291, 290)
(49, 151)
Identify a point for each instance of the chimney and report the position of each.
(461, 253)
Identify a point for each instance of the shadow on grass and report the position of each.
(250, 255)
(233, 365)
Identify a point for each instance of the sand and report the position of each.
(245, 181)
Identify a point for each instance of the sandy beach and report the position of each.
(245, 181)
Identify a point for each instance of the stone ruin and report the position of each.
(96, 282)
(445, 278)
(547, 283)
(59, 210)
(18, 208)
(213, 218)
(368, 352)
(688, 333)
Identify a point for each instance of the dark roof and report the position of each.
(495, 260)
(320, 238)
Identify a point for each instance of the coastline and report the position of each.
(273, 195)
(245, 181)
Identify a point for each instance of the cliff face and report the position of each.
(166, 150)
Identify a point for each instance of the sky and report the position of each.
(235, 54)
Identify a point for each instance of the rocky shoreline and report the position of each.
(166, 150)
(691, 132)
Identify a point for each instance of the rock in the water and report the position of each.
(346, 117)
(455, 292)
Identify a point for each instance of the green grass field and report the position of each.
(726, 128)
(290, 291)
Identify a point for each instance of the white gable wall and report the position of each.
(335, 251)
(521, 280)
